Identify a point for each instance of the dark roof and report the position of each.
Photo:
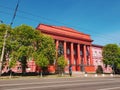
(95, 45)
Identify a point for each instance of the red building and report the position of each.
(77, 46)
(98, 59)
(77, 49)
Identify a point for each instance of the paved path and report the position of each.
(76, 83)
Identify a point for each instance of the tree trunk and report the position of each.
(10, 74)
(62, 73)
(41, 74)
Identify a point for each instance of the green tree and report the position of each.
(111, 54)
(3, 49)
(41, 61)
(61, 63)
(24, 41)
(20, 41)
(99, 69)
(12, 62)
(47, 47)
(2, 33)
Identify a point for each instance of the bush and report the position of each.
(99, 70)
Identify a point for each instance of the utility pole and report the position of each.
(1, 55)
(3, 50)
(5, 37)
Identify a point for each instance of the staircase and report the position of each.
(78, 74)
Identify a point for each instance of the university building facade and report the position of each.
(77, 47)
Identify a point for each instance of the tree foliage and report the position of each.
(23, 41)
(20, 40)
(111, 55)
(99, 69)
(3, 29)
(61, 62)
(13, 60)
(47, 47)
(41, 60)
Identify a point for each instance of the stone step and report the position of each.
(78, 73)
(75, 73)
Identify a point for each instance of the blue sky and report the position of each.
(99, 18)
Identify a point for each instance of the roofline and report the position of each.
(97, 45)
(63, 29)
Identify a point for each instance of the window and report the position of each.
(74, 52)
(19, 68)
(95, 53)
(80, 52)
(68, 51)
(74, 61)
(7, 68)
(68, 61)
(87, 53)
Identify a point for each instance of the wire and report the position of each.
(1, 21)
(27, 13)
(23, 17)
(14, 15)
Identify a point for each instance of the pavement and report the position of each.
(61, 76)
(69, 83)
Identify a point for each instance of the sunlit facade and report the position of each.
(78, 51)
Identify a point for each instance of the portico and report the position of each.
(76, 46)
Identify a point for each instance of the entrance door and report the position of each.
(82, 66)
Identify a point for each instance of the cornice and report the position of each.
(68, 32)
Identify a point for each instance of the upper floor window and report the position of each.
(68, 61)
(19, 68)
(74, 52)
(87, 53)
(68, 51)
(81, 53)
(74, 61)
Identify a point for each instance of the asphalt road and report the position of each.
(78, 83)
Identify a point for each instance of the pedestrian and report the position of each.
(70, 70)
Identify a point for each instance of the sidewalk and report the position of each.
(60, 76)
